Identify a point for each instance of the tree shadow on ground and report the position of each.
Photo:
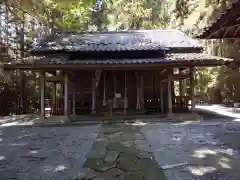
(43, 152)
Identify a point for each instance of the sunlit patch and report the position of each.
(139, 123)
(60, 168)
(198, 155)
(201, 153)
(1, 139)
(16, 123)
(176, 139)
(18, 144)
(2, 158)
(174, 165)
(228, 151)
(186, 123)
(237, 120)
(225, 159)
(34, 152)
(9, 124)
(48, 168)
(218, 110)
(201, 170)
(224, 165)
(205, 151)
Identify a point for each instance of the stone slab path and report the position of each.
(120, 152)
(37, 153)
(196, 151)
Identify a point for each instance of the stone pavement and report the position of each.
(219, 110)
(37, 153)
(120, 152)
(196, 151)
(207, 150)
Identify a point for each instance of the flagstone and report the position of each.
(111, 156)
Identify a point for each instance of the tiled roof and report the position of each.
(229, 16)
(179, 57)
(116, 41)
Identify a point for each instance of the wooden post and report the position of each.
(74, 99)
(161, 97)
(192, 88)
(66, 94)
(142, 93)
(62, 85)
(93, 111)
(114, 91)
(125, 94)
(54, 98)
(104, 89)
(42, 90)
(181, 88)
(138, 102)
(170, 93)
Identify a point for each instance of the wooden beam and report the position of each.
(104, 89)
(192, 88)
(225, 18)
(70, 67)
(93, 111)
(225, 33)
(161, 97)
(42, 94)
(54, 84)
(236, 31)
(74, 99)
(125, 94)
(54, 78)
(114, 90)
(176, 77)
(138, 91)
(169, 93)
(65, 94)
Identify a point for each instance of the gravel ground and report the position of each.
(196, 151)
(35, 153)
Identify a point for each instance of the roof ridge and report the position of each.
(116, 31)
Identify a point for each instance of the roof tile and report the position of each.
(116, 41)
(178, 57)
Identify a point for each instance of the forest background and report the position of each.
(24, 21)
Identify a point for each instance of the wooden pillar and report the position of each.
(42, 94)
(114, 91)
(65, 94)
(192, 88)
(125, 94)
(93, 111)
(169, 93)
(181, 88)
(74, 99)
(161, 97)
(62, 85)
(54, 98)
(138, 93)
(104, 89)
(142, 92)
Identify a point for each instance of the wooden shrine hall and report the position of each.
(126, 72)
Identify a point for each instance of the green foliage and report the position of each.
(31, 18)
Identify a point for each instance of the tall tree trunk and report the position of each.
(22, 74)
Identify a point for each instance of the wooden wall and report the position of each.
(151, 87)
